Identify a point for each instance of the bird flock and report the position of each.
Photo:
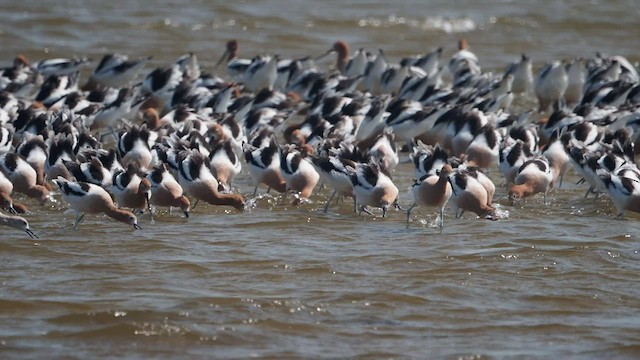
(123, 141)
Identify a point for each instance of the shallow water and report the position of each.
(280, 281)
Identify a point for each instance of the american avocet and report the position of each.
(428, 159)
(470, 195)
(346, 65)
(558, 158)
(484, 148)
(263, 116)
(23, 177)
(33, 149)
(528, 134)
(373, 74)
(384, 149)
(415, 88)
(135, 147)
(166, 191)
(130, 189)
(394, 76)
(556, 121)
(60, 66)
(17, 222)
(109, 116)
(484, 180)
(236, 67)
(261, 73)
(576, 76)
(110, 159)
(463, 64)
(500, 97)
(20, 77)
(189, 66)
(550, 85)
(601, 71)
(92, 199)
(92, 172)
(434, 190)
(196, 179)
(288, 69)
(512, 155)
(116, 71)
(534, 176)
(522, 75)
(618, 157)
(76, 103)
(162, 84)
(55, 87)
(429, 62)
(586, 164)
(305, 84)
(608, 95)
(373, 187)
(333, 170)
(224, 163)
(373, 122)
(624, 189)
(298, 172)
(409, 119)
(462, 130)
(264, 166)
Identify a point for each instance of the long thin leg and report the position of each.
(365, 210)
(588, 191)
(409, 212)
(196, 204)
(149, 206)
(326, 207)
(441, 218)
(255, 191)
(79, 218)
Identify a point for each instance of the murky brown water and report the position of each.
(556, 281)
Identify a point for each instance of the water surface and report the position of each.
(279, 281)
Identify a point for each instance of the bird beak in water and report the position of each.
(186, 214)
(137, 227)
(224, 56)
(13, 210)
(31, 234)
